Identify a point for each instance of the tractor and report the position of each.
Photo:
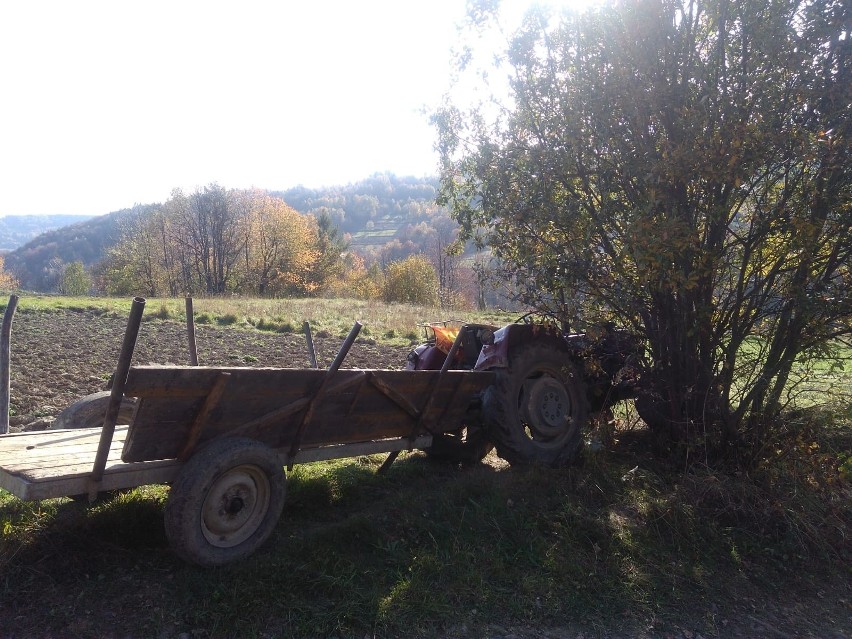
(548, 385)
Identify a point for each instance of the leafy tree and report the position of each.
(212, 237)
(145, 260)
(216, 241)
(445, 255)
(280, 248)
(75, 280)
(682, 168)
(7, 280)
(357, 280)
(412, 280)
(330, 245)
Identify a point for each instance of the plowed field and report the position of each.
(58, 357)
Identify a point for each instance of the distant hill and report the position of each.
(36, 264)
(373, 212)
(17, 230)
(384, 217)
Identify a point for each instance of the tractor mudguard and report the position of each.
(496, 355)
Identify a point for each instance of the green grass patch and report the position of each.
(381, 233)
(427, 549)
(393, 324)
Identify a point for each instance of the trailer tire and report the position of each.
(89, 412)
(467, 446)
(537, 408)
(225, 502)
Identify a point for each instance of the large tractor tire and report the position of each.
(90, 411)
(537, 408)
(225, 502)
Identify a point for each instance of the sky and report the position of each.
(107, 104)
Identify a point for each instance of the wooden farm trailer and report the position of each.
(222, 436)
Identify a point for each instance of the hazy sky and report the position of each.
(107, 104)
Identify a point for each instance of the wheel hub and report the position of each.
(235, 506)
(548, 407)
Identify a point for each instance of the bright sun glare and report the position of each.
(110, 104)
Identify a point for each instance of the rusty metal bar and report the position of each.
(338, 361)
(190, 331)
(427, 404)
(5, 358)
(312, 354)
(389, 460)
(119, 380)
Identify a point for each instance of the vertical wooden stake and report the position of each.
(119, 380)
(309, 413)
(190, 331)
(5, 356)
(312, 354)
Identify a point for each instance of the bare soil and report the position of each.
(58, 357)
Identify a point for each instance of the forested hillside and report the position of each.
(17, 230)
(339, 239)
(384, 217)
(37, 265)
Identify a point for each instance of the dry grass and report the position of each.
(396, 324)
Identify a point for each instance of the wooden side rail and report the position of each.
(176, 413)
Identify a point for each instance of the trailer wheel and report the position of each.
(225, 502)
(537, 408)
(89, 412)
(467, 445)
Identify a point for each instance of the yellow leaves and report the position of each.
(412, 280)
(7, 280)
(281, 246)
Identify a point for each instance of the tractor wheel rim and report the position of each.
(548, 409)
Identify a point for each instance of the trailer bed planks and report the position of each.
(46, 464)
(49, 464)
(270, 405)
(180, 408)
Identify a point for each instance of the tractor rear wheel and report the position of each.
(537, 408)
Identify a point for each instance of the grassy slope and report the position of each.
(618, 542)
(397, 324)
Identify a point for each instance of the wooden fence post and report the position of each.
(5, 356)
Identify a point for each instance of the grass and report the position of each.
(428, 549)
(394, 324)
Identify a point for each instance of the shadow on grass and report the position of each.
(423, 550)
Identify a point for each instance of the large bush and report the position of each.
(412, 280)
(684, 169)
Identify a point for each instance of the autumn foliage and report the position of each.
(218, 241)
(7, 280)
